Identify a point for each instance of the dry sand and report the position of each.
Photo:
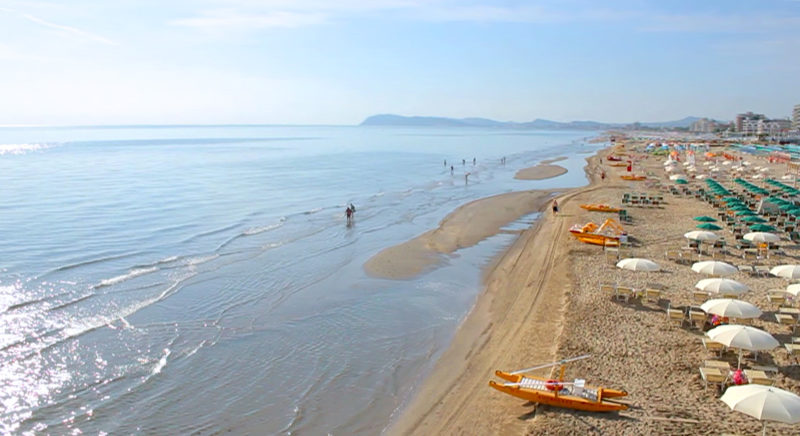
(542, 302)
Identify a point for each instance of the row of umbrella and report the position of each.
(765, 403)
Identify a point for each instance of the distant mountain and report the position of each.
(416, 121)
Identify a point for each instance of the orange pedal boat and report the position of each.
(600, 208)
(570, 395)
(637, 178)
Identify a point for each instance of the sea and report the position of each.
(204, 279)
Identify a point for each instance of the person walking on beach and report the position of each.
(602, 174)
(555, 207)
(349, 214)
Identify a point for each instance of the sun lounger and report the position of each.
(713, 347)
(785, 319)
(714, 376)
(762, 271)
(776, 298)
(721, 364)
(699, 297)
(653, 295)
(698, 318)
(676, 315)
(609, 290)
(625, 293)
(758, 377)
(746, 269)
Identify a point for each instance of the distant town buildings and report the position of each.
(796, 118)
(750, 124)
(706, 125)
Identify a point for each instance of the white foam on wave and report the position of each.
(121, 278)
(161, 362)
(169, 259)
(261, 229)
(22, 148)
(194, 261)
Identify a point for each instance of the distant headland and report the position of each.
(417, 121)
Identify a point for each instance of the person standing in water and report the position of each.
(349, 214)
(451, 170)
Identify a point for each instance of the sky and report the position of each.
(340, 61)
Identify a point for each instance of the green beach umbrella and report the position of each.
(762, 228)
(708, 226)
(739, 207)
(747, 212)
(753, 219)
(681, 182)
(705, 219)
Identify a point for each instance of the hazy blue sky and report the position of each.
(338, 61)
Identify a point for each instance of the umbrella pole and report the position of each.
(764, 429)
(739, 366)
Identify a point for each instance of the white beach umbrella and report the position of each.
(764, 403)
(676, 177)
(761, 237)
(727, 162)
(758, 176)
(731, 308)
(742, 337)
(669, 169)
(714, 268)
(786, 271)
(764, 170)
(638, 264)
(793, 289)
(702, 176)
(722, 286)
(701, 235)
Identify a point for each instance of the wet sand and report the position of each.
(540, 172)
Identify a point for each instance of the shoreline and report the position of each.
(513, 308)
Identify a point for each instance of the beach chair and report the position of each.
(674, 255)
(714, 376)
(785, 319)
(676, 315)
(713, 347)
(653, 295)
(609, 290)
(699, 297)
(746, 269)
(698, 318)
(625, 293)
(776, 297)
(761, 270)
(758, 377)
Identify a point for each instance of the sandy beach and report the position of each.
(542, 302)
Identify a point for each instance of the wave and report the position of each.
(18, 149)
(71, 302)
(121, 278)
(162, 362)
(262, 229)
(89, 262)
(194, 261)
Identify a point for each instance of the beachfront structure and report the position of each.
(706, 125)
(773, 127)
(796, 118)
(747, 123)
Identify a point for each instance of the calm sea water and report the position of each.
(169, 280)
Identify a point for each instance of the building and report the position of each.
(705, 125)
(774, 128)
(747, 123)
(796, 118)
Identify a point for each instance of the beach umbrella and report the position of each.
(638, 264)
(705, 219)
(701, 235)
(675, 177)
(786, 271)
(753, 219)
(722, 286)
(747, 212)
(764, 403)
(731, 308)
(714, 268)
(681, 182)
(793, 289)
(708, 226)
(762, 228)
(761, 237)
(742, 337)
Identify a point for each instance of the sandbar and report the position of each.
(540, 172)
(464, 227)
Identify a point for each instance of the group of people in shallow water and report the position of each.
(350, 213)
